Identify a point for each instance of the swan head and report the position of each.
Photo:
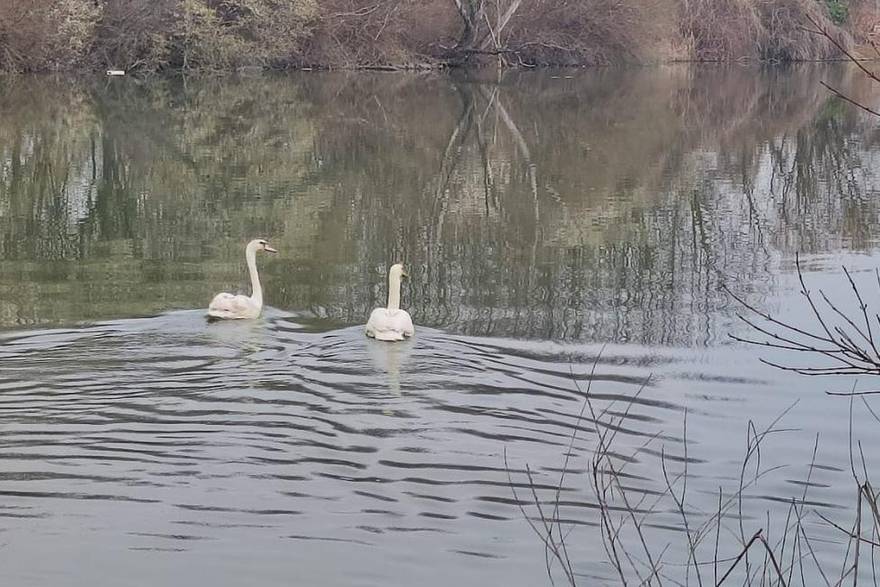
(260, 244)
(398, 271)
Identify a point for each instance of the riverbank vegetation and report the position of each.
(218, 35)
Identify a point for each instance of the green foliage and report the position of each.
(838, 11)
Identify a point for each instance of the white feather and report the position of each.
(385, 324)
(232, 307)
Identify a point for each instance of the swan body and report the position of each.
(226, 306)
(391, 323)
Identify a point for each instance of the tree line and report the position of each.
(202, 35)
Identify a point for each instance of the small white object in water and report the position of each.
(391, 323)
(230, 307)
(115, 72)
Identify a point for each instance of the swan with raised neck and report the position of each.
(226, 306)
(391, 323)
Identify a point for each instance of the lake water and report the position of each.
(549, 220)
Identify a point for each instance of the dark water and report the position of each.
(549, 220)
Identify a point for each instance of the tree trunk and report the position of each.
(471, 11)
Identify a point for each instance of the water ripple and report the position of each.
(327, 437)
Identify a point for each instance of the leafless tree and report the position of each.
(483, 25)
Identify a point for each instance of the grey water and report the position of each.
(554, 223)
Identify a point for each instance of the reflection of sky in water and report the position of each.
(540, 218)
(168, 439)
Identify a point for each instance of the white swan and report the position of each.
(391, 323)
(232, 307)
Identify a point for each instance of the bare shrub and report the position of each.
(133, 35)
(546, 32)
(269, 31)
(723, 30)
(223, 34)
(720, 29)
(350, 33)
(599, 32)
(564, 32)
(201, 34)
(864, 22)
(785, 37)
(217, 34)
(45, 34)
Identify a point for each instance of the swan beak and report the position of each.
(269, 249)
(404, 273)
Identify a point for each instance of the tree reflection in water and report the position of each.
(604, 205)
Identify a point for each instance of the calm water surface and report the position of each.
(549, 220)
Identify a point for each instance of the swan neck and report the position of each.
(393, 292)
(256, 288)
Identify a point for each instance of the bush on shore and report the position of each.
(45, 34)
(723, 30)
(157, 35)
(153, 35)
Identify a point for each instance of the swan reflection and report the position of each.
(391, 358)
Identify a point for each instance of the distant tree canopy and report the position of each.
(157, 35)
